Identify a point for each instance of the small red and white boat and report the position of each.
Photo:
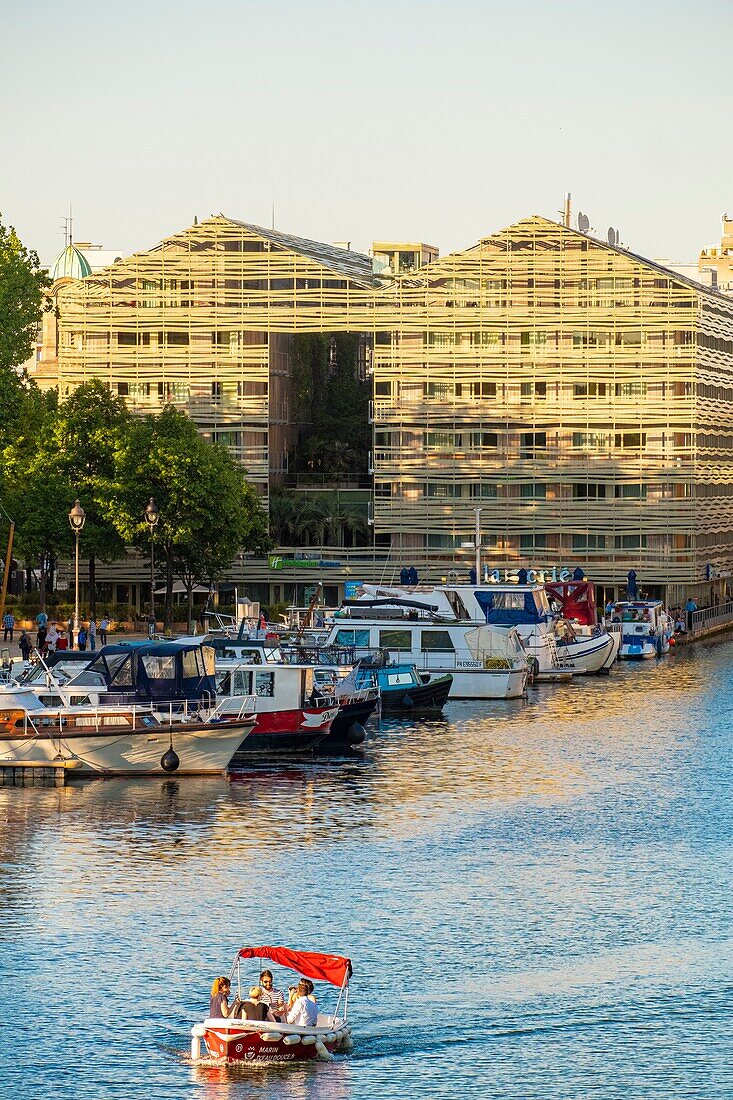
(229, 1040)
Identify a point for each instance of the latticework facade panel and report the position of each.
(553, 382)
(204, 321)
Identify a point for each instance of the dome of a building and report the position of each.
(70, 264)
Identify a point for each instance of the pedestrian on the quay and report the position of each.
(42, 624)
(103, 628)
(92, 635)
(52, 638)
(690, 608)
(70, 634)
(25, 644)
(8, 625)
(81, 640)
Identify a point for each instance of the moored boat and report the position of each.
(644, 629)
(234, 1040)
(404, 690)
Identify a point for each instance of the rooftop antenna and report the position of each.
(583, 223)
(71, 226)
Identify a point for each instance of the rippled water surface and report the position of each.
(536, 898)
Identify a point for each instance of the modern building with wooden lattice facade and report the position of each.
(579, 395)
(203, 321)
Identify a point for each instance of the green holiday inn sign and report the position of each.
(274, 561)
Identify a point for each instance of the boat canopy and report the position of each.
(513, 607)
(153, 670)
(577, 600)
(485, 643)
(324, 968)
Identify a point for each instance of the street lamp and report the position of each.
(151, 518)
(77, 519)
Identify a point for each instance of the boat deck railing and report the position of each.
(133, 716)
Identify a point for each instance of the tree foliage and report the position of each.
(22, 283)
(333, 404)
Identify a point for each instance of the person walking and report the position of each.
(82, 639)
(92, 635)
(25, 644)
(103, 628)
(8, 625)
(70, 634)
(42, 624)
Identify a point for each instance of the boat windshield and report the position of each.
(508, 607)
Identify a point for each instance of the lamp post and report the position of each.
(77, 519)
(151, 518)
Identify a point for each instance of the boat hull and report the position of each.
(234, 1042)
(430, 696)
(488, 683)
(283, 732)
(588, 655)
(201, 750)
(354, 713)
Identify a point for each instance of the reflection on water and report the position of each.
(536, 897)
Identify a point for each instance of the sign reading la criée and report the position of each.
(274, 561)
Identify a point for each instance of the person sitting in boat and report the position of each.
(255, 1008)
(219, 1003)
(302, 1008)
(275, 998)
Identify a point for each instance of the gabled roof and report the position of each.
(350, 265)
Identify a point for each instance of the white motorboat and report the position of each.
(140, 709)
(415, 632)
(643, 627)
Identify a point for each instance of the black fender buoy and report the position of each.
(357, 733)
(406, 701)
(170, 761)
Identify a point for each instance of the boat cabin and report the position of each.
(150, 671)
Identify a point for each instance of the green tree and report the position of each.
(207, 510)
(89, 432)
(22, 283)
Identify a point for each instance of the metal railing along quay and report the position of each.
(707, 618)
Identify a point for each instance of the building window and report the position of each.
(176, 339)
(588, 542)
(589, 389)
(533, 541)
(631, 492)
(484, 490)
(531, 441)
(630, 542)
(584, 491)
(123, 389)
(630, 389)
(634, 441)
(217, 389)
(533, 490)
(383, 389)
(590, 440)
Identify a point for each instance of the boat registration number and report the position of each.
(469, 664)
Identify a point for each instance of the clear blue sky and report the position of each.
(389, 119)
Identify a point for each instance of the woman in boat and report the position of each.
(254, 1008)
(219, 1004)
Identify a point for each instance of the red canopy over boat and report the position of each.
(325, 968)
(577, 598)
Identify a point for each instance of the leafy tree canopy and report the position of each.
(22, 283)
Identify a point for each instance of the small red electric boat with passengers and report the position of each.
(230, 1040)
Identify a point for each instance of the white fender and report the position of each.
(291, 1040)
(323, 1054)
(270, 1036)
(330, 1037)
(348, 1043)
(197, 1033)
(308, 1040)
